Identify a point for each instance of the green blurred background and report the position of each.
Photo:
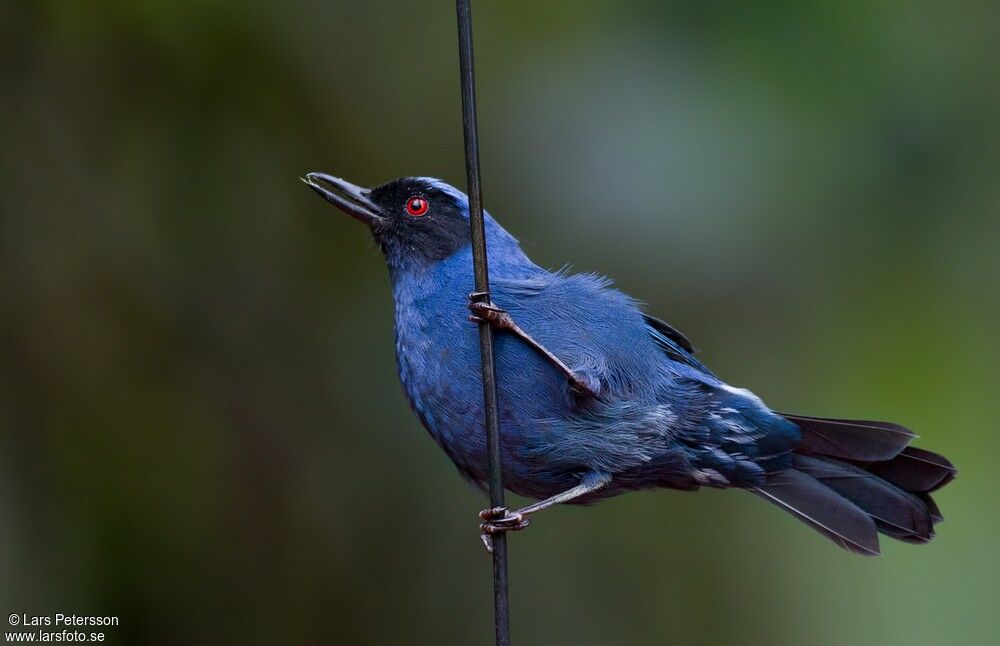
(201, 429)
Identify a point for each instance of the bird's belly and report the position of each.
(441, 375)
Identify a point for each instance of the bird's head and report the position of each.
(420, 218)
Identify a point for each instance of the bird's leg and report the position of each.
(500, 319)
(500, 519)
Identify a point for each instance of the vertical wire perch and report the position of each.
(482, 280)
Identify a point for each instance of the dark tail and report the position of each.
(850, 479)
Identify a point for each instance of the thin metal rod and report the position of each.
(481, 269)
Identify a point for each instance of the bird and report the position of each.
(597, 397)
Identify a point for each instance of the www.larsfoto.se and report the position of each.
(42, 636)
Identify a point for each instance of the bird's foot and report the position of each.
(581, 387)
(497, 520)
(488, 312)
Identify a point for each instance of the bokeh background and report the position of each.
(201, 429)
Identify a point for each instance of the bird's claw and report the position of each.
(581, 387)
(488, 312)
(497, 520)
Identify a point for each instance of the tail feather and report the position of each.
(896, 513)
(823, 509)
(932, 507)
(915, 469)
(851, 439)
(850, 479)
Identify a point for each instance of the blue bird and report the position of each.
(598, 398)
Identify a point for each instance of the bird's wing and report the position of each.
(674, 344)
(670, 332)
(543, 299)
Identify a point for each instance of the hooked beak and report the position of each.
(349, 198)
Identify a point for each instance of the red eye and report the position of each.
(417, 206)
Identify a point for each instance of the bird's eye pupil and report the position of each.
(417, 206)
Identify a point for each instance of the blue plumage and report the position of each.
(644, 412)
